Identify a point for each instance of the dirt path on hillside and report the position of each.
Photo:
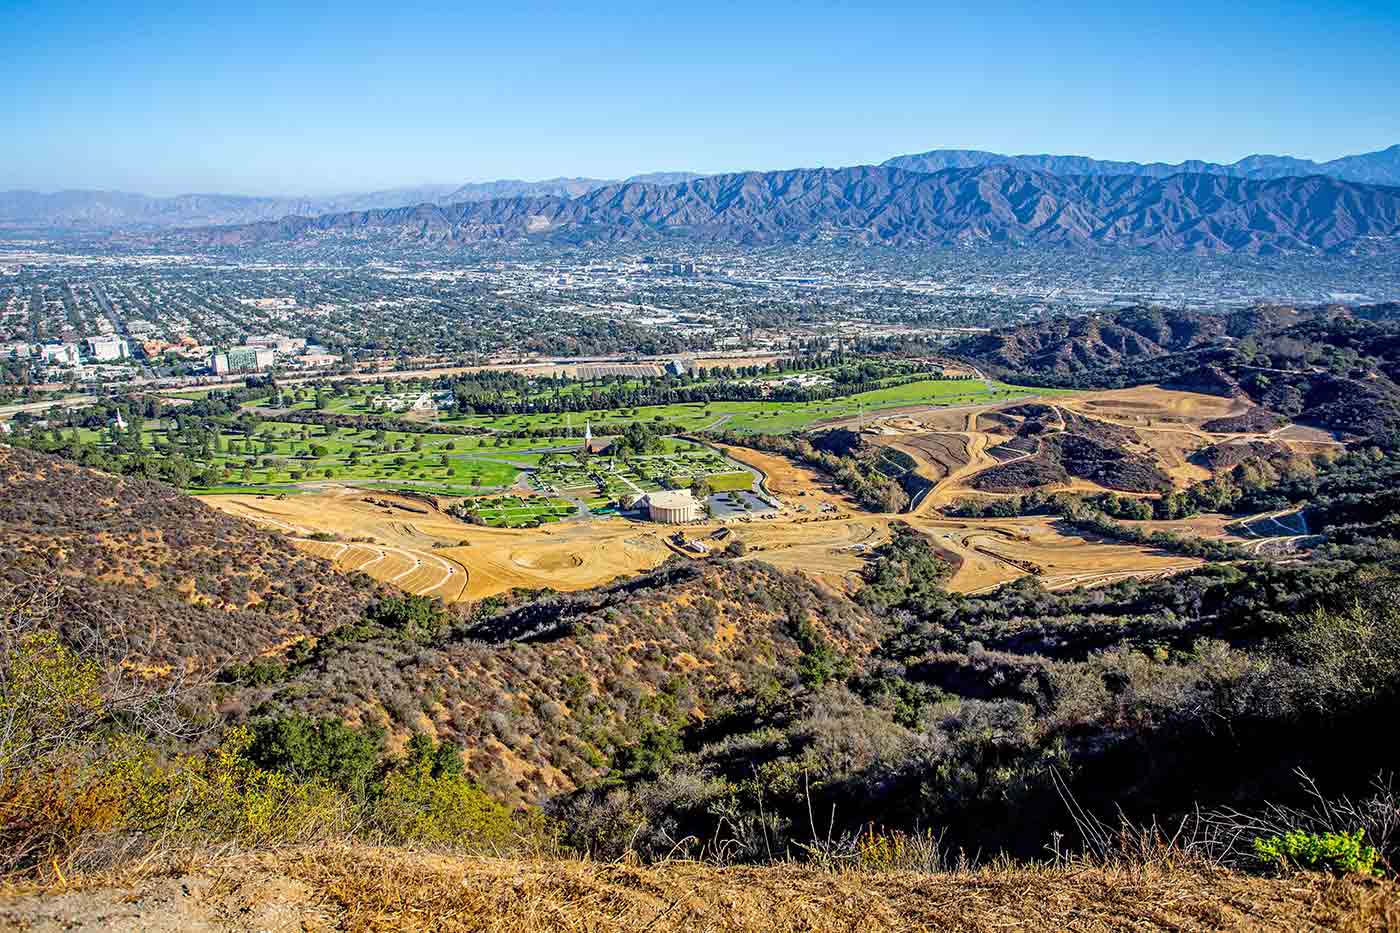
(364, 888)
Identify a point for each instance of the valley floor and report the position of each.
(820, 531)
(342, 888)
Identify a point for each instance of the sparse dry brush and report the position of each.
(185, 586)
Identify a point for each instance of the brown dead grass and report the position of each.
(364, 889)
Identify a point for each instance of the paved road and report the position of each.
(73, 401)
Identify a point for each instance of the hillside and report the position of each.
(1054, 444)
(169, 582)
(1372, 168)
(1331, 368)
(1066, 346)
(538, 691)
(541, 696)
(866, 204)
(711, 709)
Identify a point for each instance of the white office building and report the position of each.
(107, 348)
(61, 354)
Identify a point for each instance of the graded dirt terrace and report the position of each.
(832, 549)
(435, 554)
(996, 551)
(1153, 406)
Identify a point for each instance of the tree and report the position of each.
(415, 617)
(426, 797)
(327, 749)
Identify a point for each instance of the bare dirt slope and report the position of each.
(431, 553)
(995, 551)
(379, 889)
(794, 483)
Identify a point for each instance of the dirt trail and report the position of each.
(339, 887)
(978, 460)
(995, 551)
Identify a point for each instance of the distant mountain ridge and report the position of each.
(124, 210)
(1200, 213)
(120, 210)
(1371, 168)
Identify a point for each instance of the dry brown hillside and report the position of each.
(384, 889)
(183, 585)
(540, 696)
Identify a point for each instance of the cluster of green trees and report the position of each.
(855, 470)
(481, 394)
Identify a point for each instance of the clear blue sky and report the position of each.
(323, 97)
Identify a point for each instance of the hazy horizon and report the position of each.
(454, 183)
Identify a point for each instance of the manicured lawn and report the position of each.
(726, 482)
(516, 512)
(283, 453)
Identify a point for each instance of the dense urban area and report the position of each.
(110, 319)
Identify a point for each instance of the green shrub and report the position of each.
(1343, 853)
(426, 797)
(226, 796)
(317, 749)
(417, 618)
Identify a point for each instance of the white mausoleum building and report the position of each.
(673, 507)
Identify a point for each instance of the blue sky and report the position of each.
(324, 97)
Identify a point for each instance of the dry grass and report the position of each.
(343, 888)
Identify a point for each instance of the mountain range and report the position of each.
(102, 210)
(117, 210)
(997, 204)
(1371, 168)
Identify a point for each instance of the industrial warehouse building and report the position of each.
(673, 507)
